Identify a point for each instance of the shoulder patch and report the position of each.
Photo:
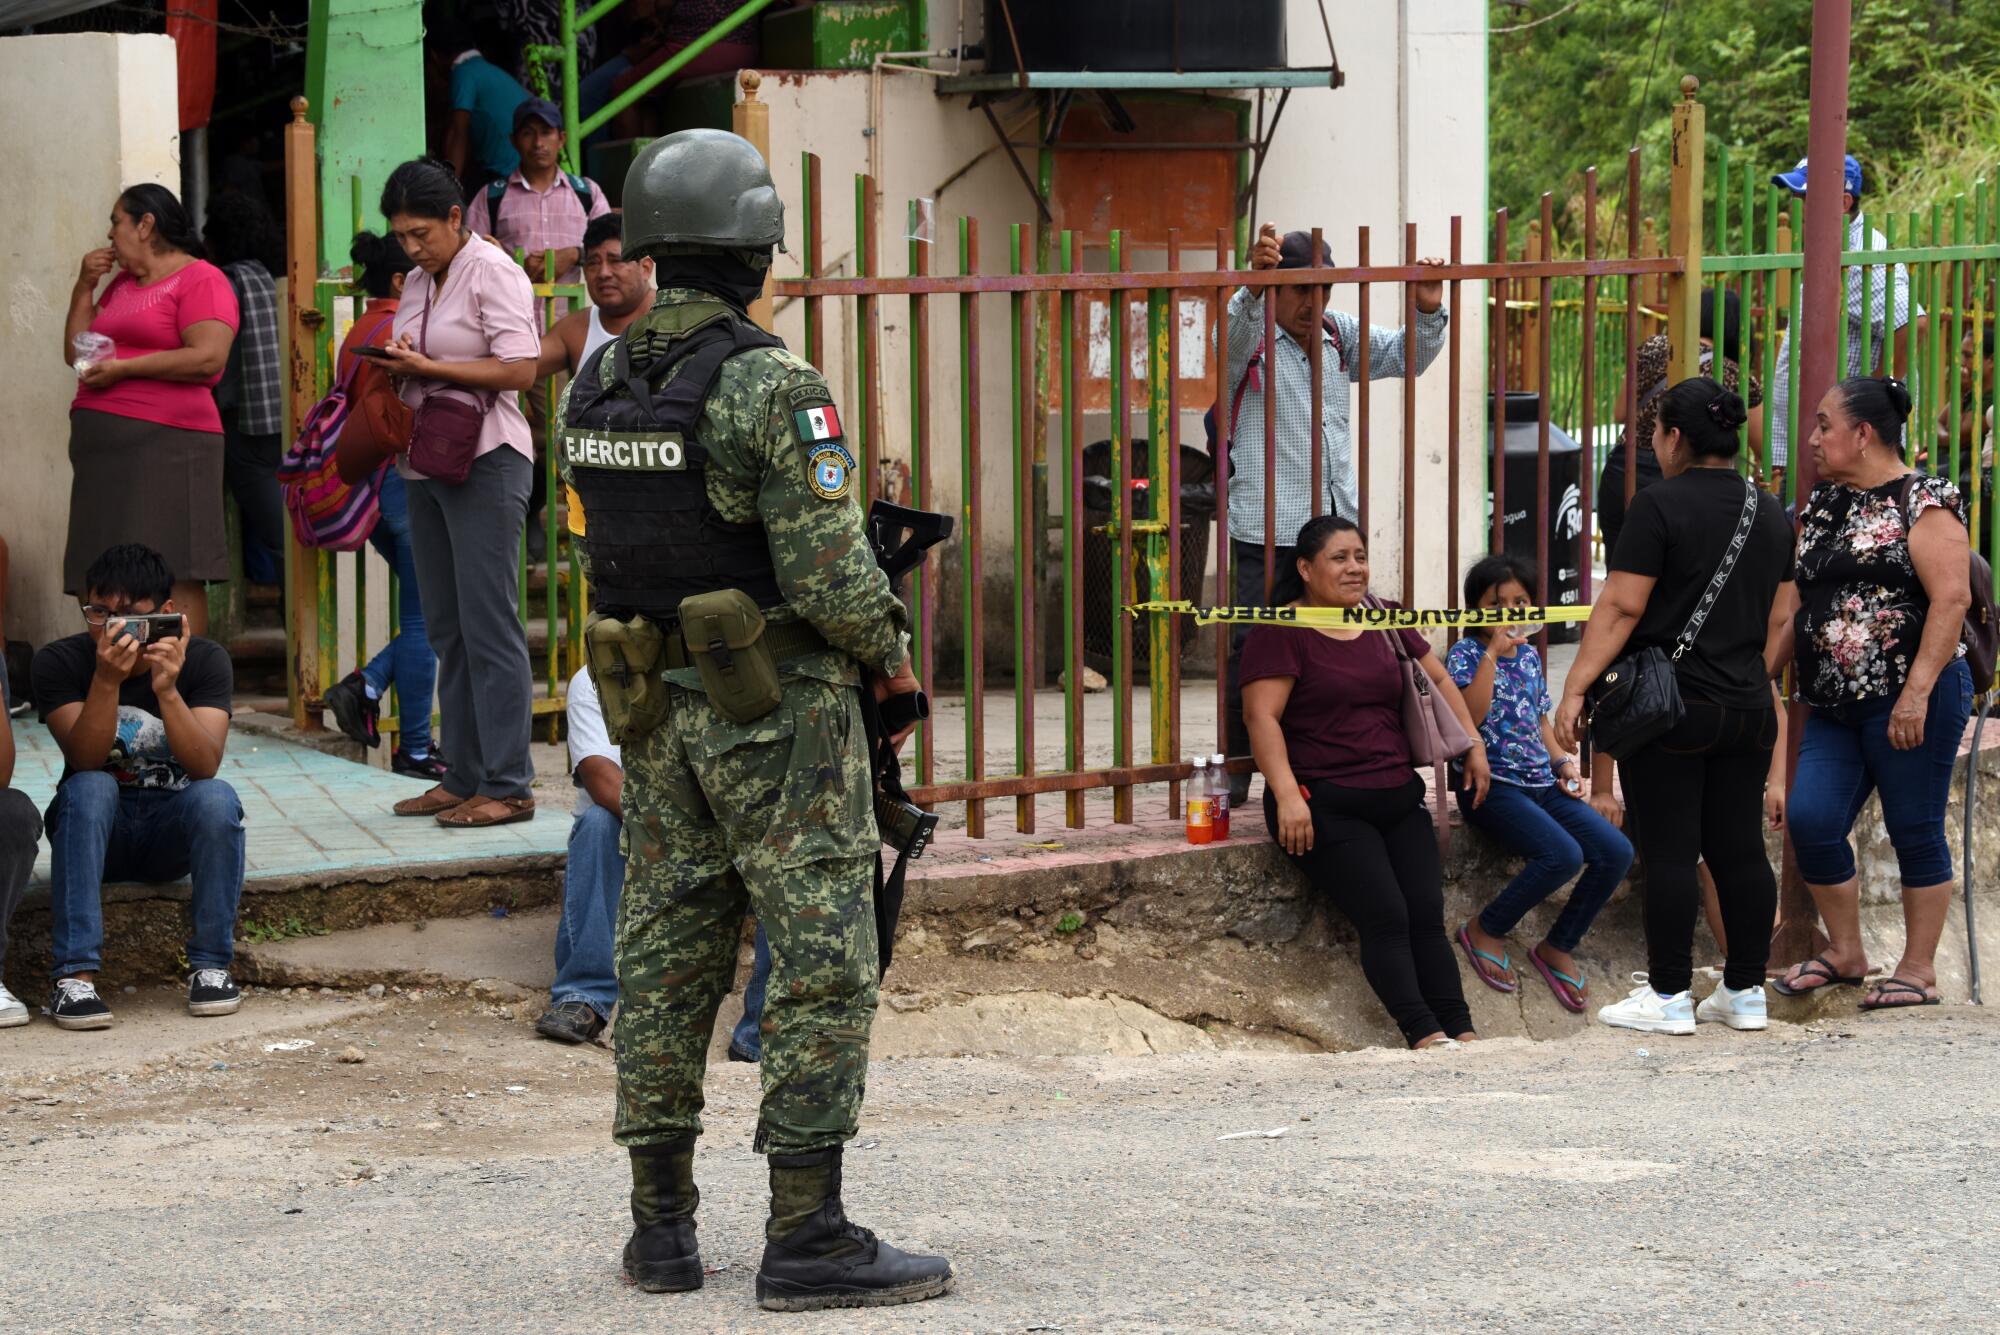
(814, 424)
(830, 470)
(807, 396)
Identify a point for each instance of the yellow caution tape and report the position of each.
(1368, 618)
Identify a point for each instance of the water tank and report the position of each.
(1131, 35)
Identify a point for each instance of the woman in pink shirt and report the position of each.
(145, 442)
(466, 327)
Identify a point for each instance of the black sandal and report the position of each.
(1877, 999)
(1816, 967)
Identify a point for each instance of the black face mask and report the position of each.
(724, 276)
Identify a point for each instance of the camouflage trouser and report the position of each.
(776, 814)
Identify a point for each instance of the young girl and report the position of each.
(1536, 805)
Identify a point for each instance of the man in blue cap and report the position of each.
(541, 211)
(1885, 310)
(538, 208)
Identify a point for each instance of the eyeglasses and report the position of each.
(95, 614)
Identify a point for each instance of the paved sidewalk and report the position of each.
(310, 815)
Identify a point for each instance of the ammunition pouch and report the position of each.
(625, 659)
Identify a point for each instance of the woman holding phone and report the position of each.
(464, 333)
(1536, 806)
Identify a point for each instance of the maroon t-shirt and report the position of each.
(1344, 720)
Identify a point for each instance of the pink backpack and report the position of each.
(327, 512)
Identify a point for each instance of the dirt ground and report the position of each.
(428, 1165)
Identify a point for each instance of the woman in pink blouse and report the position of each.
(145, 442)
(467, 323)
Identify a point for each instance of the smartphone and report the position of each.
(152, 627)
(374, 354)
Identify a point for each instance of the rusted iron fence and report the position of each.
(1049, 309)
(1005, 611)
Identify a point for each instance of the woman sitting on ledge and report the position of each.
(1325, 714)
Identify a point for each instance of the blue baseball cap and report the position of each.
(1795, 179)
(537, 108)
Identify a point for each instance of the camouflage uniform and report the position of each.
(774, 815)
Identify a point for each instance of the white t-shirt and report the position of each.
(587, 735)
(595, 336)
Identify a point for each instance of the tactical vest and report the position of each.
(637, 465)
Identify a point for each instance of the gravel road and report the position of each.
(460, 1178)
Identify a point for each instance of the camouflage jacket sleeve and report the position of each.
(779, 432)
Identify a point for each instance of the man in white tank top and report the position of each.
(620, 291)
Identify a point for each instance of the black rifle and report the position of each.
(899, 536)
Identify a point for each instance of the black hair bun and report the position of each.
(1899, 395)
(1726, 410)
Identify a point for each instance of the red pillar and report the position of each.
(1822, 305)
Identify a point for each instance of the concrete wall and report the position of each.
(90, 114)
(1403, 141)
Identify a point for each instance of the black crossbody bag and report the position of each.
(1638, 699)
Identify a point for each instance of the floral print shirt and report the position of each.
(1861, 605)
(1513, 727)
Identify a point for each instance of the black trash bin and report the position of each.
(1100, 508)
(1520, 451)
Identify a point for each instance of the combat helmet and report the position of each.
(701, 188)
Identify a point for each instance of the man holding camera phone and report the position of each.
(141, 713)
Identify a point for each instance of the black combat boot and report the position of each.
(661, 1255)
(814, 1258)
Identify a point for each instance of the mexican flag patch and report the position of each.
(817, 423)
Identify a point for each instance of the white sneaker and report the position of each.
(1738, 1010)
(12, 1011)
(1643, 1008)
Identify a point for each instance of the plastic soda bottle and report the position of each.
(1200, 811)
(1218, 793)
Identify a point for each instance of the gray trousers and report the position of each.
(20, 831)
(466, 537)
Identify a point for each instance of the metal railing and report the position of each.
(1045, 408)
(1609, 301)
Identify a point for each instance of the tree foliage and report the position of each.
(1580, 89)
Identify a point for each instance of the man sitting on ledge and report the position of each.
(141, 713)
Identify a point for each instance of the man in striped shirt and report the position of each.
(541, 211)
(538, 208)
(1881, 310)
(1282, 376)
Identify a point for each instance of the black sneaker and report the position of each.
(353, 712)
(570, 1022)
(430, 767)
(76, 1005)
(213, 992)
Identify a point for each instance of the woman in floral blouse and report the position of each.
(1882, 592)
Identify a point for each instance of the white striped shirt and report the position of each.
(1287, 372)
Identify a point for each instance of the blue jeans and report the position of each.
(1559, 835)
(749, 1037)
(101, 832)
(586, 968)
(406, 661)
(1845, 755)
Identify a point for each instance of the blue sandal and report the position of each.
(1473, 954)
(1569, 992)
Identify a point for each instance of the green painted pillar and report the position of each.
(365, 84)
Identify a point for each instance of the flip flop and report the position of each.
(1568, 990)
(1892, 986)
(1473, 954)
(1816, 967)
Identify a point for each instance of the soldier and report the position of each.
(737, 604)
